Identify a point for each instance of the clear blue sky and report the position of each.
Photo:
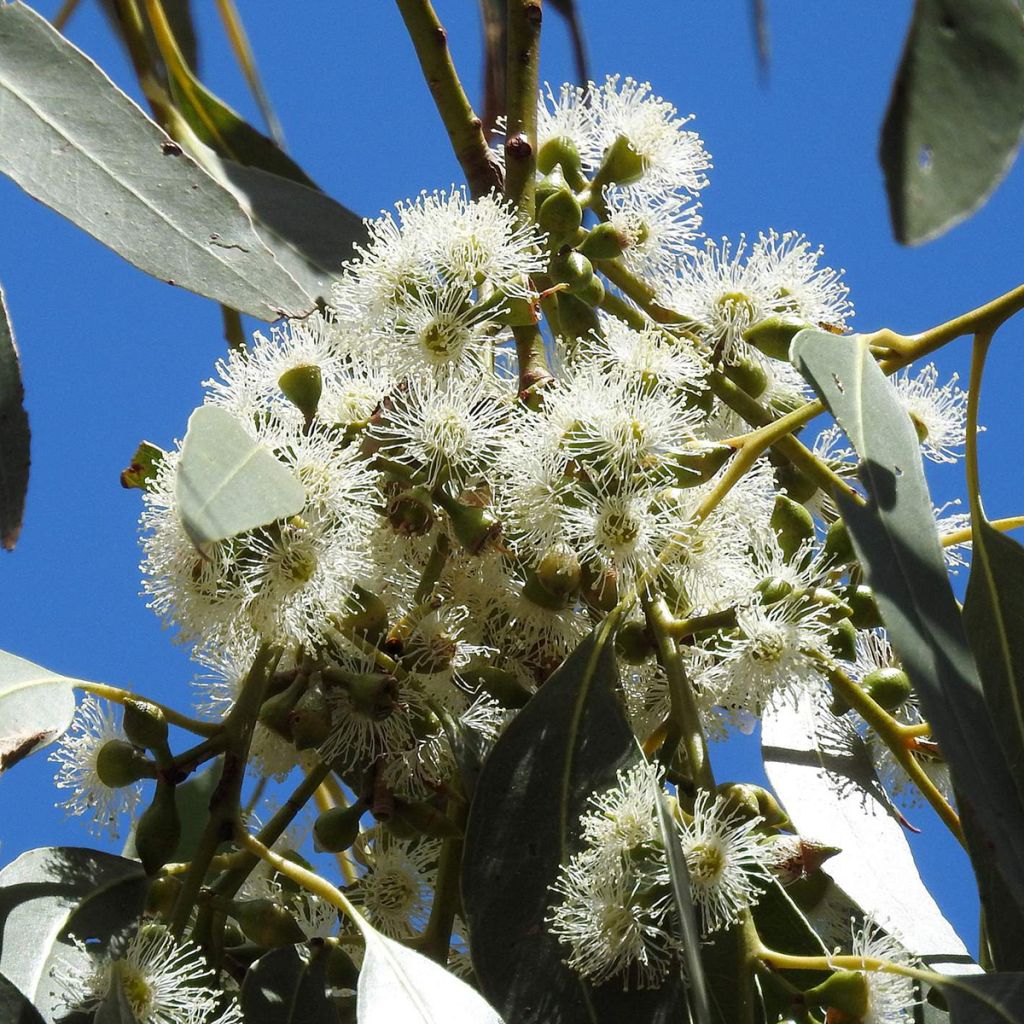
(111, 356)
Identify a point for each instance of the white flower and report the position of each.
(396, 890)
(891, 997)
(625, 816)
(954, 555)
(939, 414)
(163, 980)
(726, 861)
(94, 725)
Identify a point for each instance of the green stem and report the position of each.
(434, 567)
(187, 761)
(522, 84)
(464, 128)
(684, 726)
(120, 696)
(437, 936)
(964, 535)
(982, 341)
(681, 629)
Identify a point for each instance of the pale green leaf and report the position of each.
(78, 144)
(14, 436)
(227, 483)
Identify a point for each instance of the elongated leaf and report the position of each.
(287, 986)
(896, 541)
(36, 708)
(822, 771)
(227, 483)
(75, 142)
(14, 436)
(400, 986)
(570, 740)
(994, 620)
(14, 1007)
(985, 998)
(50, 894)
(955, 115)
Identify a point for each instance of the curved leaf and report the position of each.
(897, 544)
(955, 115)
(14, 1007)
(287, 986)
(36, 708)
(568, 741)
(49, 894)
(985, 998)
(14, 436)
(227, 483)
(75, 142)
(822, 771)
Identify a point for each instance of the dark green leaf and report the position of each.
(955, 115)
(287, 986)
(179, 14)
(50, 894)
(896, 541)
(36, 708)
(569, 741)
(994, 620)
(823, 773)
(228, 483)
(985, 998)
(14, 436)
(115, 1009)
(782, 925)
(75, 142)
(192, 798)
(14, 1007)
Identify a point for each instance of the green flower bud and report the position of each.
(426, 819)
(889, 687)
(411, 513)
(233, 936)
(552, 182)
(365, 615)
(577, 319)
(797, 484)
(145, 724)
(159, 829)
(603, 242)
(601, 590)
(835, 607)
(749, 376)
(373, 694)
(863, 610)
(839, 705)
(163, 892)
(267, 923)
(562, 152)
(120, 764)
(773, 336)
(337, 829)
(838, 547)
(276, 711)
(792, 523)
(634, 644)
(842, 640)
(846, 991)
(310, 720)
(302, 386)
(559, 572)
(572, 269)
(774, 589)
(501, 685)
(740, 799)
(518, 313)
(476, 527)
(690, 469)
(593, 293)
(622, 164)
(560, 215)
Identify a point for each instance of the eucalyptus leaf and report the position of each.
(287, 986)
(36, 708)
(985, 998)
(895, 539)
(227, 483)
(75, 142)
(994, 620)
(569, 741)
(14, 436)
(822, 771)
(51, 894)
(400, 986)
(955, 115)
(115, 1009)
(14, 1007)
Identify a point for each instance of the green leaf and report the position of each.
(14, 1007)
(955, 115)
(985, 998)
(75, 142)
(569, 741)
(14, 436)
(192, 798)
(896, 541)
(36, 708)
(50, 894)
(228, 483)
(287, 986)
(994, 620)
(143, 468)
(823, 773)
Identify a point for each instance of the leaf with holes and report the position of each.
(955, 115)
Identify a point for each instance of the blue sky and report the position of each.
(111, 356)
